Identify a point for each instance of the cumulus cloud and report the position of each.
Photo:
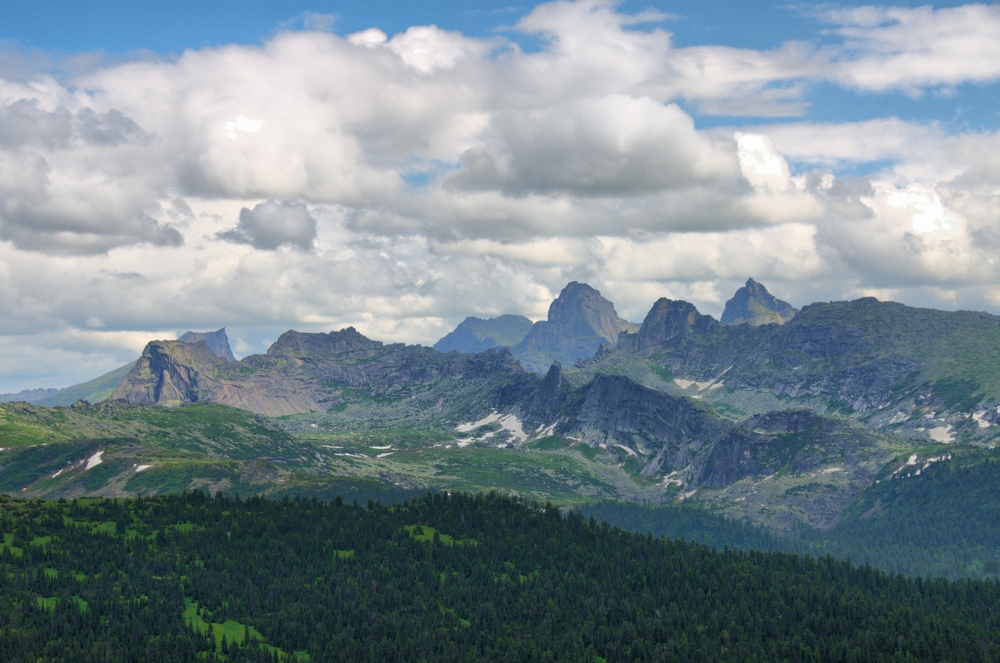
(271, 225)
(432, 175)
(611, 146)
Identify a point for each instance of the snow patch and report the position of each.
(464, 442)
(670, 479)
(831, 470)
(93, 461)
(388, 446)
(508, 422)
(465, 428)
(547, 431)
(630, 452)
(980, 419)
(142, 468)
(943, 434)
(383, 455)
(513, 424)
(58, 473)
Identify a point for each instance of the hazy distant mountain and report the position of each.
(753, 304)
(579, 322)
(217, 342)
(477, 334)
(27, 395)
(93, 391)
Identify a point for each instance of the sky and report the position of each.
(398, 166)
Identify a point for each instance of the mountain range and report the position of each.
(785, 417)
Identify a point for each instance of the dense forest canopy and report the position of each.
(442, 577)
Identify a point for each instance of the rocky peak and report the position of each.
(668, 320)
(580, 321)
(580, 310)
(753, 304)
(217, 342)
(549, 391)
(170, 372)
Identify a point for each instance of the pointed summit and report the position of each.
(580, 321)
(755, 305)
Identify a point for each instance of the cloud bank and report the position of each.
(401, 182)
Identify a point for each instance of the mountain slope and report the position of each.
(92, 391)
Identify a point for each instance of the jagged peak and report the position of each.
(753, 304)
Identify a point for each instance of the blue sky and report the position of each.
(275, 165)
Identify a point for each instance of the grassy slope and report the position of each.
(94, 390)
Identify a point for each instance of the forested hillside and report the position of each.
(461, 578)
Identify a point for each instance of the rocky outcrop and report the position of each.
(579, 322)
(797, 441)
(753, 304)
(479, 335)
(665, 433)
(217, 342)
(318, 372)
(668, 324)
(170, 372)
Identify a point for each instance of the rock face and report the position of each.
(663, 433)
(797, 441)
(171, 372)
(318, 372)
(217, 342)
(579, 322)
(753, 304)
(668, 324)
(477, 334)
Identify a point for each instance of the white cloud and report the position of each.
(887, 48)
(609, 146)
(271, 225)
(428, 175)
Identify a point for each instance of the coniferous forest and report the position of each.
(458, 578)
